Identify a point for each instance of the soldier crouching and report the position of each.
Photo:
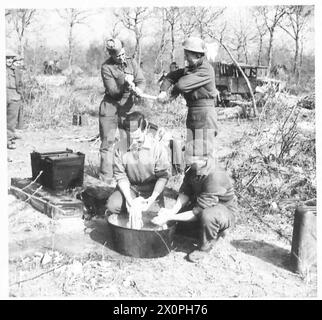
(206, 195)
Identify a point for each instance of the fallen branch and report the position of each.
(251, 181)
(33, 181)
(37, 276)
(243, 74)
(39, 188)
(261, 220)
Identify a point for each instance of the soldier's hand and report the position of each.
(164, 215)
(137, 91)
(129, 78)
(162, 97)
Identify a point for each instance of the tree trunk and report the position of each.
(270, 51)
(296, 54)
(137, 50)
(301, 61)
(21, 49)
(260, 50)
(70, 46)
(172, 42)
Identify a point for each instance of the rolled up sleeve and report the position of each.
(206, 200)
(119, 170)
(162, 164)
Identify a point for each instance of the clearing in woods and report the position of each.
(71, 257)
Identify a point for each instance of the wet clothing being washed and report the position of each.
(197, 85)
(117, 101)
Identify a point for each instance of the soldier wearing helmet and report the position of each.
(196, 82)
(205, 196)
(13, 93)
(123, 80)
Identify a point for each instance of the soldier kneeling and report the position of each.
(206, 194)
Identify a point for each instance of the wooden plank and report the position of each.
(52, 203)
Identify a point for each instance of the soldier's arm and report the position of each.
(161, 170)
(193, 81)
(171, 78)
(121, 176)
(18, 80)
(113, 87)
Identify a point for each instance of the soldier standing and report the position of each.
(14, 98)
(196, 82)
(123, 81)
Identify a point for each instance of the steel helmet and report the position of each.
(114, 46)
(194, 44)
(11, 53)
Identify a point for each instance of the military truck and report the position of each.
(231, 84)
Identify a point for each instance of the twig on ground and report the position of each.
(252, 180)
(33, 181)
(35, 192)
(37, 276)
(261, 220)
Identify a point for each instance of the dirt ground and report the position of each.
(71, 257)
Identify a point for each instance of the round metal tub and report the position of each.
(149, 242)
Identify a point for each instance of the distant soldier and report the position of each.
(123, 81)
(196, 82)
(14, 96)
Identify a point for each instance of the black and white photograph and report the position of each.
(159, 150)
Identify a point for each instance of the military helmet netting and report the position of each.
(114, 46)
(194, 44)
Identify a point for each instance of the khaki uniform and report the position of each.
(141, 167)
(14, 100)
(197, 85)
(212, 200)
(116, 103)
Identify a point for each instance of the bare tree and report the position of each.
(272, 17)
(133, 19)
(186, 25)
(200, 20)
(205, 18)
(163, 39)
(243, 37)
(21, 20)
(298, 17)
(261, 32)
(172, 17)
(73, 17)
